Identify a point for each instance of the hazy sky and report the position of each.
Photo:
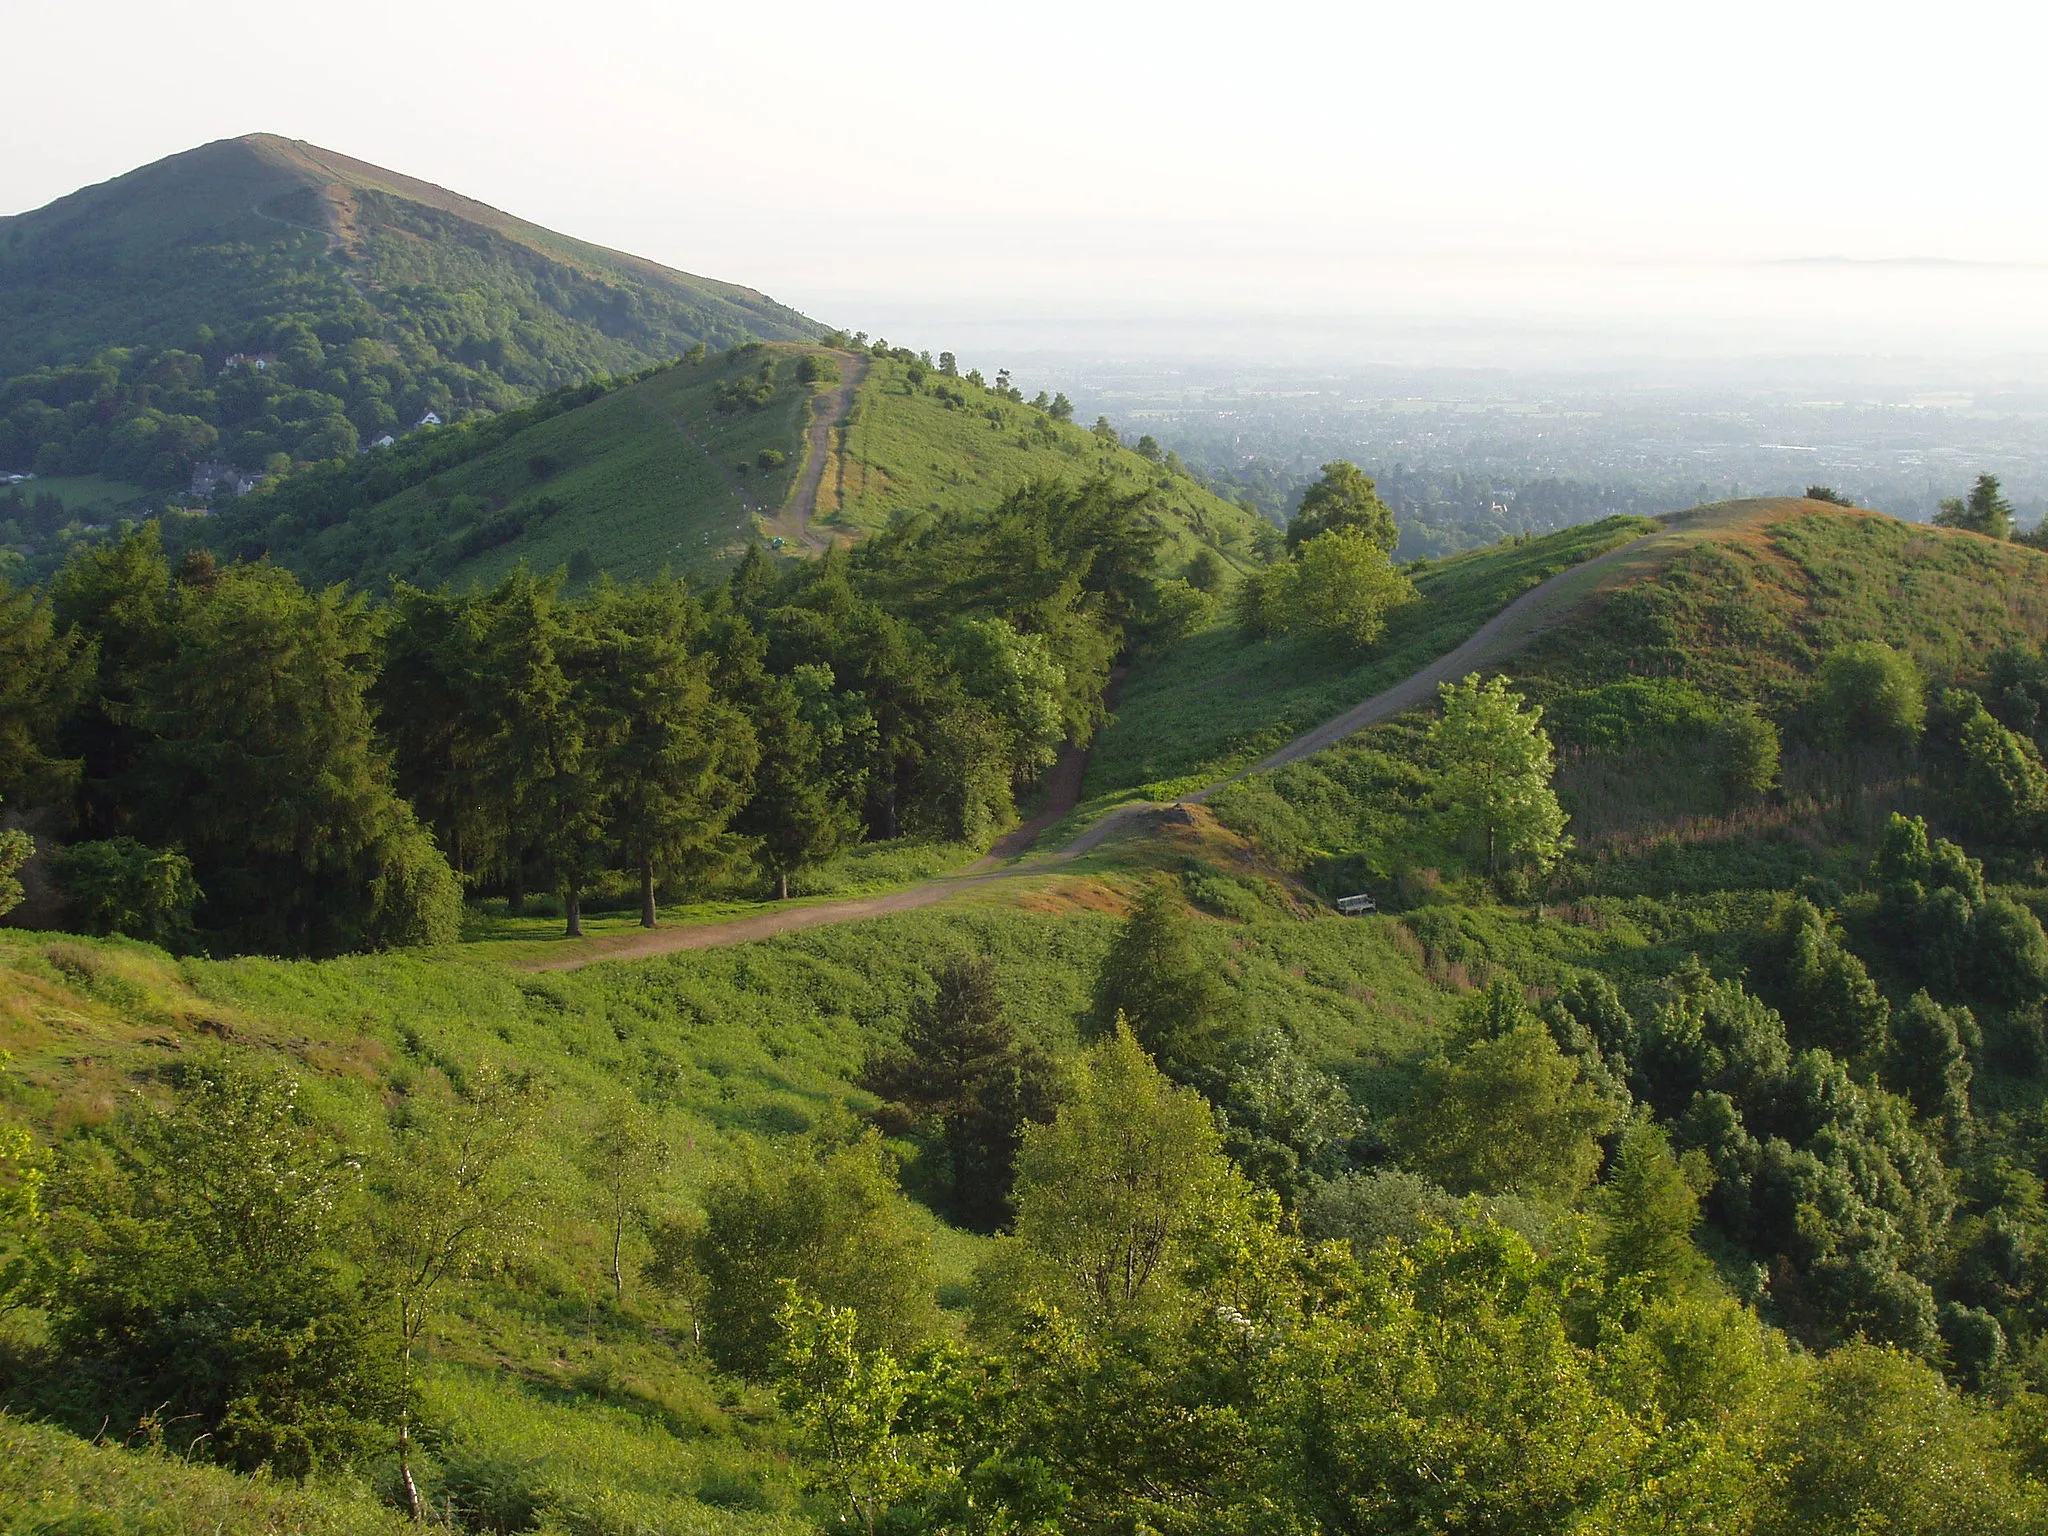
(1554, 162)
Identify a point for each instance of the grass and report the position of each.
(870, 869)
(56, 1484)
(648, 478)
(1747, 611)
(907, 449)
(1220, 700)
(93, 496)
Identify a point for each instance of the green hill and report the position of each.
(1592, 1148)
(681, 469)
(360, 298)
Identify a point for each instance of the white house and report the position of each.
(431, 419)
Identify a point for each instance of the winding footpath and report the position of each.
(1525, 619)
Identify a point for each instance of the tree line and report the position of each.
(233, 761)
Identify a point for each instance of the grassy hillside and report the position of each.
(656, 474)
(269, 305)
(1222, 700)
(922, 442)
(238, 230)
(605, 1416)
(728, 1050)
(650, 476)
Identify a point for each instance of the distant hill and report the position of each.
(682, 468)
(260, 302)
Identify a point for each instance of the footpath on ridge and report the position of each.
(1525, 619)
(795, 522)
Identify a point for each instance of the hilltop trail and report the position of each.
(828, 410)
(1528, 617)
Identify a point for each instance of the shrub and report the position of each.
(1867, 689)
(118, 885)
(835, 1225)
(770, 458)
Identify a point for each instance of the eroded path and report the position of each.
(1524, 620)
(796, 522)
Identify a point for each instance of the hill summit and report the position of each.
(221, 234)
(259, 302)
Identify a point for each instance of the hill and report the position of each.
(1593, 1145)
(261, 301)
(682, 469)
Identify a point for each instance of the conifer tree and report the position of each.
(1155, 980)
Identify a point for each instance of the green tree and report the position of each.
(544, 740)
(1929, 1061)
(1345, 498)
(1984, 511)
(197, 1277)
(1156, 980)
(1496, 772)
(1829, 998)
(1867, 689)
(1206, 572)
(43, 671)
(1647, 1209)
(456, 1191)
(834, 1225)
(24, 1169)
(1746, 754)
(676, 759)
(1125, 1184)
(1016, 677)
(793, 813)
(117, 885)
(624, 1157)
(959, 1064)
(16, 849)
(2002, 793)
(1876, 1442)
(253, 750)
(1505, 1114)
(846, 1406)
(1148, 448)
(1342, 587)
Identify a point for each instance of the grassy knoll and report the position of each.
(944, 445)
(1737, 604)
(1220, 700)
(1746, 611)
(645, 478)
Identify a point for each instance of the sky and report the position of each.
(1575, 170)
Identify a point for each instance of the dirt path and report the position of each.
(794, 522)
(1532, 614)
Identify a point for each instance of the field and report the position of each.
(92, 497)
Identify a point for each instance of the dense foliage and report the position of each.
(321, 765)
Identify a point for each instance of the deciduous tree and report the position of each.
(1495, 774)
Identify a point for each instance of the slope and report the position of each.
(238, 229)
(673, 470)
(667, 471)
(267, 303)
(920, 441)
